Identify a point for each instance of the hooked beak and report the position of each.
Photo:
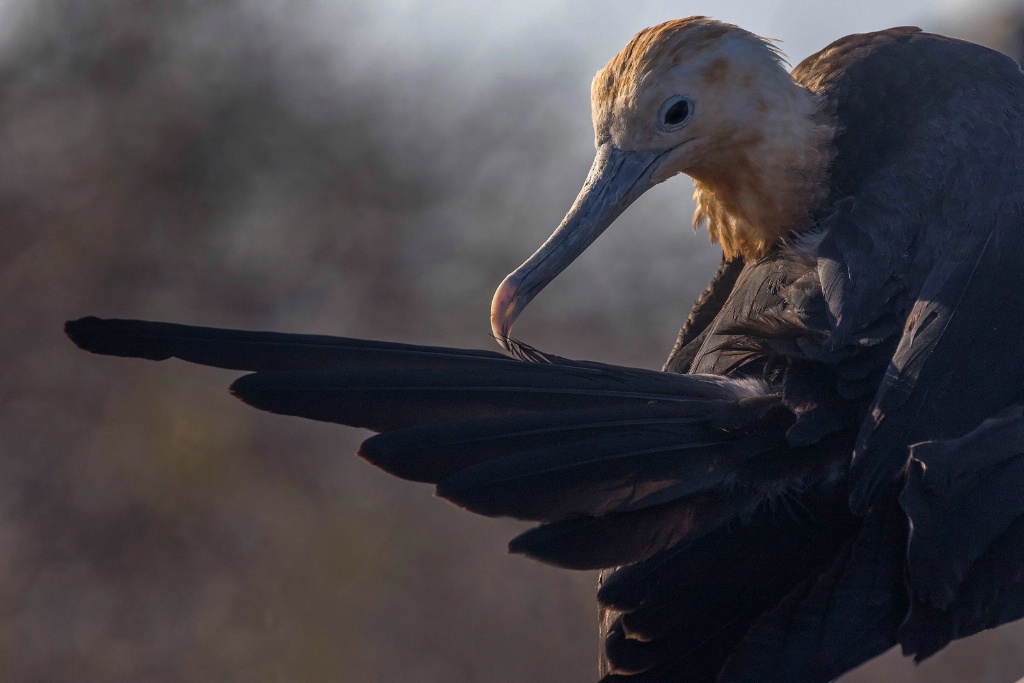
(615, 181)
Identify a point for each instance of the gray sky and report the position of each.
(530, 33)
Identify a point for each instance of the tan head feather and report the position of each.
(757, 144)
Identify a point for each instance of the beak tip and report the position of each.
(616, 179)
(502, 312)
(500, 336)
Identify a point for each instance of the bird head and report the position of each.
(704, 98)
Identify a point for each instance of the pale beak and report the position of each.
(615, 181)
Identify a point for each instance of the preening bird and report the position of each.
(832, 461)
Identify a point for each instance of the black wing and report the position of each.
(650, 471)
(926, 224)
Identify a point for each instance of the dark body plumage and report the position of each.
(749, 546)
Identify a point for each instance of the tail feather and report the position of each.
(430, 453)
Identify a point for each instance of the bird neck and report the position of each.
(772, 177)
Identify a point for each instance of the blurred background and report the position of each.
(356, 168)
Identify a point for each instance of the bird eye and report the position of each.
(674, 113)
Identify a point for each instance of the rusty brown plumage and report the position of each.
(763, 144)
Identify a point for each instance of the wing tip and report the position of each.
(376, 451)
(541, 543)
(524, 544)
(249, 389)
(116, 337)
(85, 332)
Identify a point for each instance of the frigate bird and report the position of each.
(831, 462)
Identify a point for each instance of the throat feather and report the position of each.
(767, 185)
